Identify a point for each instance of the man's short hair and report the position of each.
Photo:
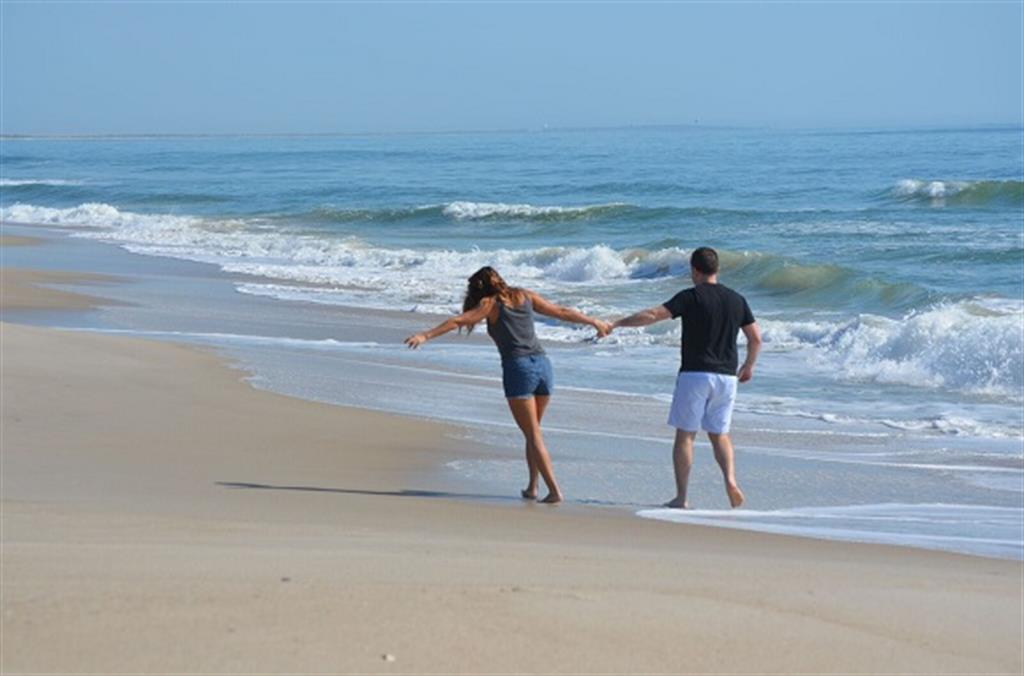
(705, 260)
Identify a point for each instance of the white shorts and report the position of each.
(703, 401)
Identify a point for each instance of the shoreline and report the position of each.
(162, 514)
(29, 289)
(762, 444)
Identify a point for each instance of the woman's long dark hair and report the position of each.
(484, 283)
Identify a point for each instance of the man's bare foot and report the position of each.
(528, 494)
(677, 503)
(552, 499)
(735, 495)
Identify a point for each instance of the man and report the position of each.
(713, 315)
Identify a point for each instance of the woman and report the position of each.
(526, 371)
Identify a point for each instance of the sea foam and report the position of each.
(968, 345)
(23, 182)
(931, 525)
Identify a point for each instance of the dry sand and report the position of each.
(161, 515)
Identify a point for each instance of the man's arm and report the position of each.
(753, 334)
(652, 315)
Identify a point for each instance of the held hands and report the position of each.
(415, 340)
(603, 328)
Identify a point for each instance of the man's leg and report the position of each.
(724, 456)
(682, 461)
(688, 404)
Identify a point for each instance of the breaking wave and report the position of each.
(972, 193)
(249, 246)
(480, 210)
(472, 211)
(974, 346)
(968, 345)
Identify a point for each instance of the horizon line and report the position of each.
(511, 130)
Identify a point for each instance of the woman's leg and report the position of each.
(530, 492)
(525, 413)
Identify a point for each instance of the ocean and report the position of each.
(885, 267)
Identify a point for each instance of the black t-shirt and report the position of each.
(712, 316)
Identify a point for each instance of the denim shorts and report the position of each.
(524, 377)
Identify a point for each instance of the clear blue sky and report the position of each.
(93, 67)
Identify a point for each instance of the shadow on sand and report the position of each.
(404, 493)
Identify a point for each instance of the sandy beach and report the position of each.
(162, 515)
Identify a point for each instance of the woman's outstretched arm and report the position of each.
(466, 319)
(568, 314)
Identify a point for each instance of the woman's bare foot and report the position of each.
(677, 503)
(552, 499)
(528, 494)
(735, 495)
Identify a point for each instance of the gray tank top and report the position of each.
(513, 331)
